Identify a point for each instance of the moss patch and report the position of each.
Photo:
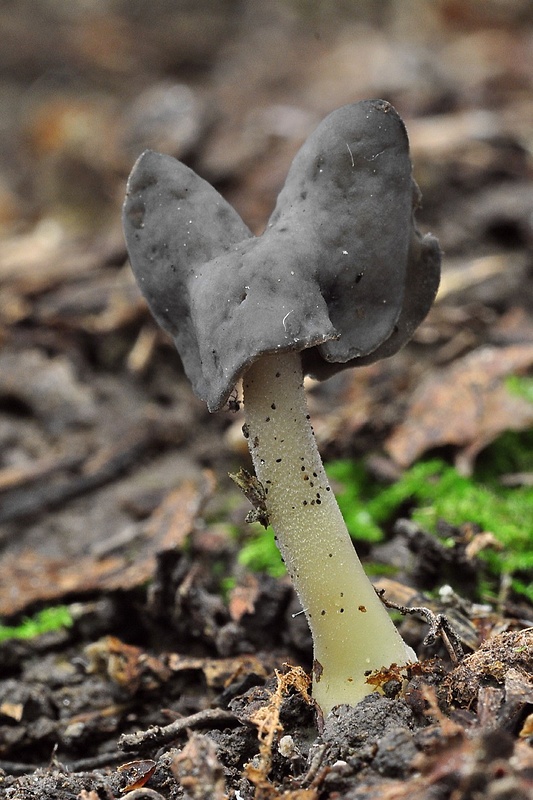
(49, 619)
(433, 490)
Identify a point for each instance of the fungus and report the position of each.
(341, 277)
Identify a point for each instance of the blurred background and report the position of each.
(233, 87)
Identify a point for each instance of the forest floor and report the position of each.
(179, 671)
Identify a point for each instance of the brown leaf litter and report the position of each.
(466, 405)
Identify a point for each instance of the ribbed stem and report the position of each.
(352, 632)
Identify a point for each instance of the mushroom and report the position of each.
(341, 277)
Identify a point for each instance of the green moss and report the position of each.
(261, 554)
(354, 490)
(227, 584)
(512, 452)
(521, 385)
(434, 490)
(49, 619)
(505, 512)
(376, 569)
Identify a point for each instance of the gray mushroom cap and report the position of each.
(340, 273)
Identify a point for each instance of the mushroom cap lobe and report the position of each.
(340, 273)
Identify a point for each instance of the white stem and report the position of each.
(352, 632)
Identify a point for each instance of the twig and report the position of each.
(439, 627)
(158, 735)
(17, 767)
(317, 760)
(94, 762)
(81, 765)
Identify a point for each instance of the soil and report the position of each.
(184, 674)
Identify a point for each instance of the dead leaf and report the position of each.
(13, 711)
(101, 304)
(45, 257)
(49, 387)
(462, 275)
(15, 477)
(243, 597)
(126, 665)
(172, 521)
(482, 541)
(466, 404)
(218, 672)
(137, 773)
(30, 576)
